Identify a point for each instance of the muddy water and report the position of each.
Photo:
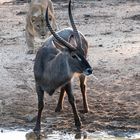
(29, 135)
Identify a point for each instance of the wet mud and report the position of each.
(112, 29)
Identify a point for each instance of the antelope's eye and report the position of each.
(74, 56)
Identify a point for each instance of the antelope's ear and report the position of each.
(72, 41)
(59, 46)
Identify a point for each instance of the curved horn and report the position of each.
(56, 36)
(78, 38)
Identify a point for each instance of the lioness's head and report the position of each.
(37, 19)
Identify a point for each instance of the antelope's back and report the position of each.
(65, 34)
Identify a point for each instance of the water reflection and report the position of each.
(35, 136)
(30, 135)
(82, 136)
(12, 135)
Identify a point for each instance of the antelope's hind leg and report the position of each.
(59, 106)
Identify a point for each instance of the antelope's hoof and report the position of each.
(78, 135)
(32, 136)
(58, 109)
(36, 130)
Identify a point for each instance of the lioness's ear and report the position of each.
(72, 41)
(59, 46)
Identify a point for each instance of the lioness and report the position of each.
(35, 22)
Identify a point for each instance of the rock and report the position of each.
(100, 45)
(30, 118)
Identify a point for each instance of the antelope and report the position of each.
(61, 57)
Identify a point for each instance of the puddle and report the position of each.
(12, 135)
(29, 135)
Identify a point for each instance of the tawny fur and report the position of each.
(36, 24)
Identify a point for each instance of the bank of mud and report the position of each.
(113, 31)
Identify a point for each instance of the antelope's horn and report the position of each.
(56, 36)
(78, 38)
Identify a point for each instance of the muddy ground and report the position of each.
(112, 28)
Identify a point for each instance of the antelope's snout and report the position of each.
(88, 71)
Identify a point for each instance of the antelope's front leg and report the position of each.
(71, 99)
(40, 94)
(83, 90)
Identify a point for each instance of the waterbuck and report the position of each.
(61, 57)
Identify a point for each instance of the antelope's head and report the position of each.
(73, 48)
